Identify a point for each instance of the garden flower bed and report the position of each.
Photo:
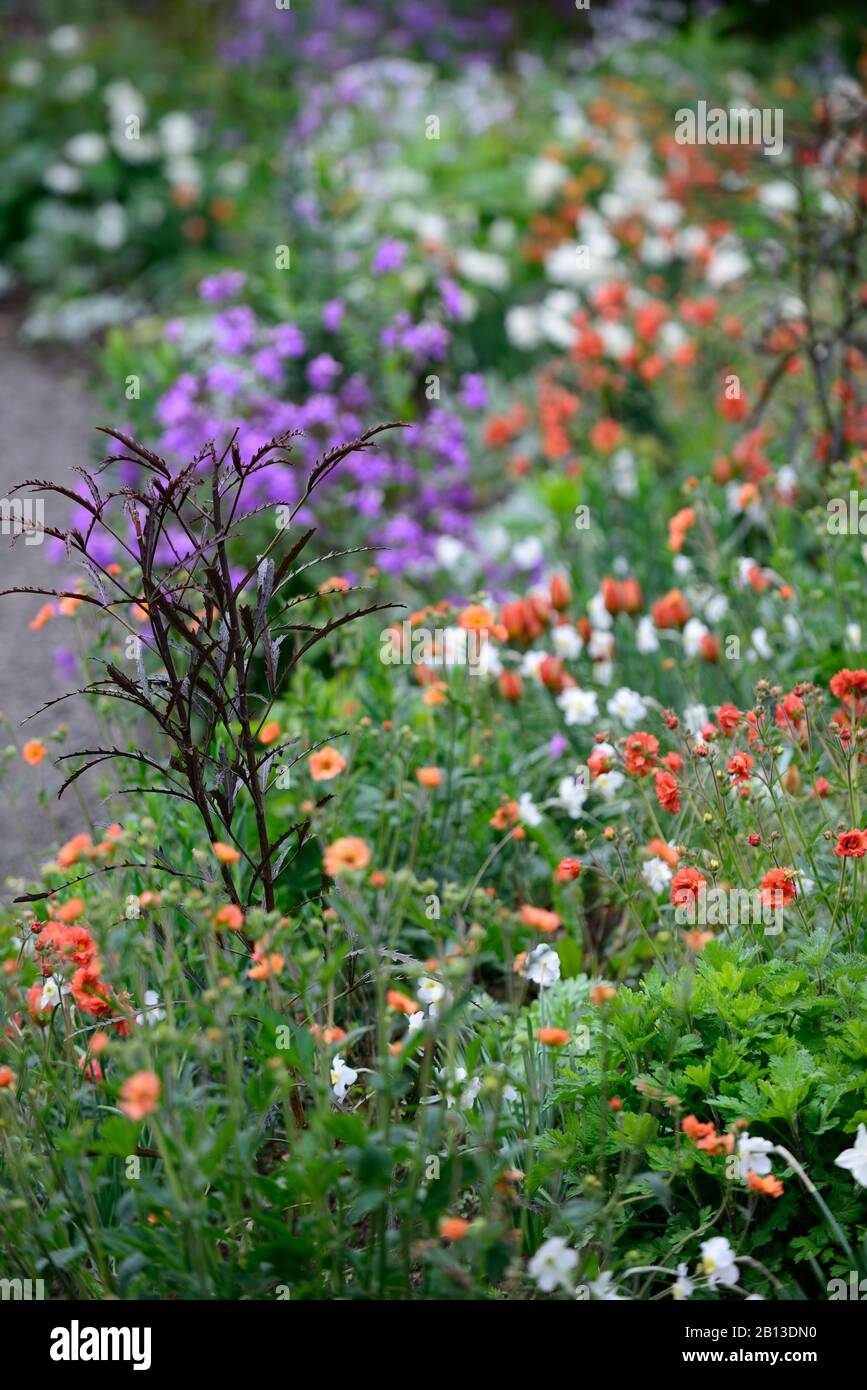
(468, 901)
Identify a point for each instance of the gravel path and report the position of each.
(46, 427)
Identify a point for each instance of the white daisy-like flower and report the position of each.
(542, 966)
(342, 1077)
(719, 1262)
(854, 1160)
(578, 706)
(567, 641)
(528, 811)
(627, 706)
(552, 1265)
(571, 795)
(656, 874)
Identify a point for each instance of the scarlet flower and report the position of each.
(739, 767)
(511, 686)
(567, 870)
(45, 614)
(346, 855)
(848, 683)
(605, 435)
(551, 673)
(74, 944)
(71, 910)
(667, 791)
(695, 939)
(851, 844)
(694, 1128)
(539, 918)
(140, 1095)
(231, 916)
(641, 750)
(553, 1037)
(600, 994)
(270, 732)
(476, 618)
(7, 1077)
(328, 1036)
(505, 815)
(769, 1185)
(728, 717)
(89, 992)
(777, 888)
(560, 592)
(672, 610)
(33, 752)
(678, 526)
(686, 886)
(454, 1228)
(661, 850)
(716, 1144)
(402, 1002)
(428, 776)
(325, 764)
(227, 854)
(822, 788)
(72, 851)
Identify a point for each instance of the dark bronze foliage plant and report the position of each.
(211, 640)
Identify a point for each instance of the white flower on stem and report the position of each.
(627, 706)
(608, 784)
(694, 719)
(578, 706)
(571, 794)
(598, 613)
(601, 645)
(683, 1285)
(542, 966)
(552, 1265)
(342, 1077)
(528, 553)
(151, 1013)
(854, 1160)
(528, 811)
(719, 1262)
(430, 992)
(604, 1288)
(656, 874)
(51, 994)
(646, 640)
(693, 635)
(567, 641)
(531, 663)
(415, 1022)
(753, 1155)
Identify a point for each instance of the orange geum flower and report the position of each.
(7, 1077)
(696, 940)
(70, 911)
(45, 614)
(265, 964)
(770, 1186)
(539, 918)
(335, 585)
(68, 605)
(227, 854)
(231, 916)
(695, 1129)
(140, 1095)
(454, 1228)
(600, 994)
(270, 732)
(666, 852)
(33, 752)
(72, 851)
(778, 889)
(331, 1035)
(402, 1002)
(428, 776)
(553, 1037)
(346, 855)
(436, 694)
(567, 870)
(716, 1144)
(325, 764)
(476, 618)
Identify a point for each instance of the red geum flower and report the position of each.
(567, 870)
(686, 887)
(641, 752)
(667, 792)
(848, 683)
(777, 888)
(728, 717)
(851, 844)
(739, 767)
